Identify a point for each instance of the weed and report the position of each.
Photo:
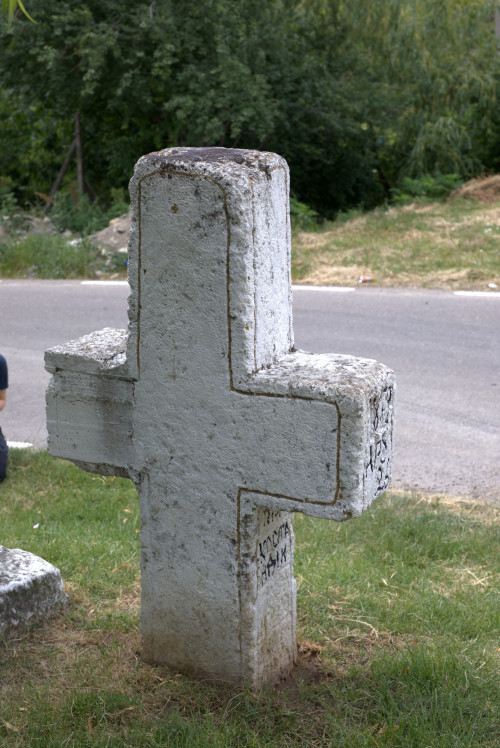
(81, 215)
(42, 256)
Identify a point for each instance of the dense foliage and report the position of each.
(356, 96)
(433, 71)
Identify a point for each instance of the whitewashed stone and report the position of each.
(225, 428)
(31, 589)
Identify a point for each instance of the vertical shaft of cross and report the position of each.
(198, 604)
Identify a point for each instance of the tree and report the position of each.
(142, 76)
(354, 95)
(434, 69)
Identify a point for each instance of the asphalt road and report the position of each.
(444, 348)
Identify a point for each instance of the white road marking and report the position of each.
(333, 289)
(482, 294)
(104, 283)
(339, 289)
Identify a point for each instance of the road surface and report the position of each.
(444, 348)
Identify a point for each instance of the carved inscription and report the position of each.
(380, 447)
(274, 544)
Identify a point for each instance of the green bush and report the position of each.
(302, 217)
(353, 95)
(427, 187)
(81, 215)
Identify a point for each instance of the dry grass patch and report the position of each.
(483, 189)
(454, 244)
(326, 274)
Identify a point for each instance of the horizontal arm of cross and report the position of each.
(90, 403)
(361, 395)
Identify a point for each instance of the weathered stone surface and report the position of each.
(31, 589)
(225, 428)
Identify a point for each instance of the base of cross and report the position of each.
(241, 626)
(224, 427)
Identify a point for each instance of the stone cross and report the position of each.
(224, 427)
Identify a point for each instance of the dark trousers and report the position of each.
(3, 456)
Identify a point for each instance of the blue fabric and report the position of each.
(4, 377)
(3, 456)
(4, 383)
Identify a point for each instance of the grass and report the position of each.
(34, 246)
(448, 244)
(397, 622)
(46, 256)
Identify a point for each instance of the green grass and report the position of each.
(398, 620)
(451, 244)
(45, 256)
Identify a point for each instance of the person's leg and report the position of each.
(3, 456)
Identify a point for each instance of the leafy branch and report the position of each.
(9, 7)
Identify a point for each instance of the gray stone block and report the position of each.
(31, 589)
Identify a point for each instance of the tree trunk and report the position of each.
(79, 155)
(62, 172)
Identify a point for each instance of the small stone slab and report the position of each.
(31, 589)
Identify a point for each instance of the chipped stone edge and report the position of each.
(100, 352)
